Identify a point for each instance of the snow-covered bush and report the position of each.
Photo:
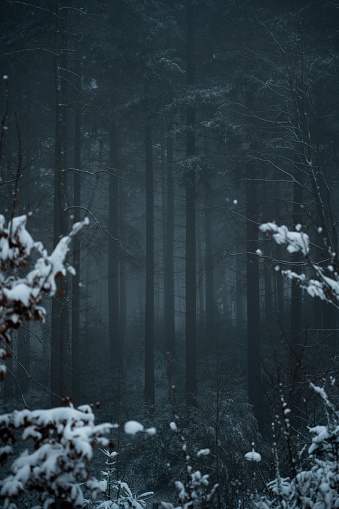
(59, 441)
(317, 486)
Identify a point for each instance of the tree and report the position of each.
(60, 338)
(76, 375)
(149, 303)
(191, 271)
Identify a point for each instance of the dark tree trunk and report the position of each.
(113, 259)
(122, 272)
(268, 299)
(296, 294)
(253, 301)
(24, 358)
(191, 296)
(200, 268)
(60, 346)
(209, 270)
(24, 339)
(169, 322)
(149, 305)
(240, 287)
(279, 251)
(76, 382)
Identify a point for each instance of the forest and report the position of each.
(179, 161)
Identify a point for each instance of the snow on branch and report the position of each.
(324, 283)
(20, 297)
(297, 241)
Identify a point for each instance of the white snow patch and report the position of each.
(133, 427)
(203, 452)
(253, 456)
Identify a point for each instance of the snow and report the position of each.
(203, 452)
(296, 241)
(151, 431)
(133, 427)
(173, 426)
(20, 293)
(253, 456)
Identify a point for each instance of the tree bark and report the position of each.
(209, 270)
(191, 287)
(113, 258)
(122, 271)
(296, 294)
(60, 347)
(149, 305)
(169, 319)
(76, 381)
(253, 301)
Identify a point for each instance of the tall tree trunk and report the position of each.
(279, 280)
(76, 382)
(169, 318)
(122, 272)
(24, 358)
(191, 340)
(60, 347)
(253, 300)
(240, 267)
(200, 268)
(209, 270)
(296, 295)
(24, 340)
(149, 305)
(113, 259)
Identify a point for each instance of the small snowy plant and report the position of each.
(194, 492)
(116, 494)
(59, 441)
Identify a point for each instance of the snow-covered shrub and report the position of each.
(60, 444)
(317, 485)
(59, 441)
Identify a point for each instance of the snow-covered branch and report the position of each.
(60, 440)
(323, 282)
(20, 297)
